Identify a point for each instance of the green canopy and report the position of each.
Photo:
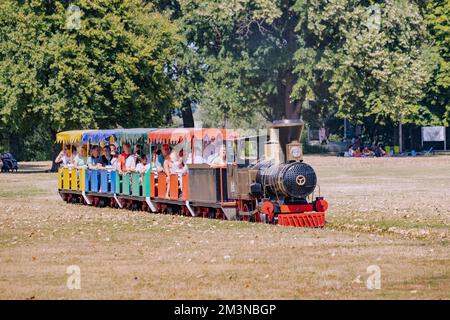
(133, 135)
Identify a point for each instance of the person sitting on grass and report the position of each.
(357, 153)
(367, 152)
(379, 152)
(349, 153)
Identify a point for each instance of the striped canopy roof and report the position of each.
(72, 136)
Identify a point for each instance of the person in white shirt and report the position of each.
(130, 163)
(65, 156)
(221, 159)
(142, 166)
(349, 153)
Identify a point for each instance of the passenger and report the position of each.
(221, 159)
(106, 156)
(114, 157)
(81, 160)
(182, 167)
(165, 152)
(142, 165)
(170, 165)
(65, 156)
(130, 163)
(74, 157)
(157, 166)
(123, 158)
(94, 161)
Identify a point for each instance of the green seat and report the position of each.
(126, 184)
(136, 185)
(146, 184)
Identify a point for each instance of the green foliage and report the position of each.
(247, 47)
(364, 58)
(438, 93)
(109, 72)
(134, 63)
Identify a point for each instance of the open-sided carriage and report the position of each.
(276, 187)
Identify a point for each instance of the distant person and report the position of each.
(349, 152)
(379, 152)
(366, 152)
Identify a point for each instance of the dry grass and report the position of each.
(394, 213)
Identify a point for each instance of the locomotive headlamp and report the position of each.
(296, 152)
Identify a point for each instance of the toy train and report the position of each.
(275, 186)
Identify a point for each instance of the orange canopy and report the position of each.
(171, 135)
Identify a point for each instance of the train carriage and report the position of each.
(277, 187)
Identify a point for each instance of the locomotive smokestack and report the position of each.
(287, 133)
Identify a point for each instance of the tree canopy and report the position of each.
(97, 63)
(105, 69)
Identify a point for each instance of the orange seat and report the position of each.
(173, 187)
(185, 188)
(162, 186)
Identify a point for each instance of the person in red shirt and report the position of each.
(123, 157)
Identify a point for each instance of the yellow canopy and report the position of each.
(71, 136)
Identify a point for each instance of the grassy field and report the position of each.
(391, 213)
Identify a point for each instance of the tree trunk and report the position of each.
(292, 108)
(15, 147)
(400, 137)
(188, 117)
(55, 151)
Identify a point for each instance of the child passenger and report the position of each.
(142, 165)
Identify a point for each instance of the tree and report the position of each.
(100, 64)
(438, 94)
(365, 57)
(248, 47)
